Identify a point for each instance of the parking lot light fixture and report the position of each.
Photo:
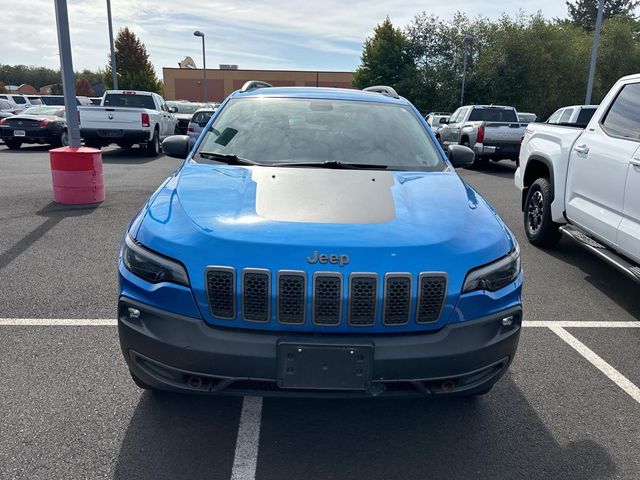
(198, 33)
(467, 39)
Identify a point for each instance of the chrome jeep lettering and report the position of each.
(333, 258)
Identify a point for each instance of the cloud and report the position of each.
(325, 35)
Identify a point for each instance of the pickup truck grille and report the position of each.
(331, 299)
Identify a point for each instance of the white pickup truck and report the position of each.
(493, 132)
(126, 118)
(585, 182)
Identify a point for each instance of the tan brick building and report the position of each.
(186, 83)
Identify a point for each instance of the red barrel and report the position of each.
(76, 174)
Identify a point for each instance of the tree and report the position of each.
(583, 13)
(135, 71)
(83, 87)
(387, 60)
(3, 89)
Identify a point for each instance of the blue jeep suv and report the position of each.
(318, 242)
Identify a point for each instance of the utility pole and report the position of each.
(198, 33)
(68, 77)
(467, 39)
(114, 75)
(594, 53)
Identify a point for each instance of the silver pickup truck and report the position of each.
(493, 132)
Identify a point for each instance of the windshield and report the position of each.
(493, 115)
(44, 111)
(271, 130)
(130, 100)
(185, 107)
(35, 100)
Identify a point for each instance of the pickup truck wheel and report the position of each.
(541, 230)
(153, 147)
(13, 144)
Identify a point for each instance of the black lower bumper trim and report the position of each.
(174, 352)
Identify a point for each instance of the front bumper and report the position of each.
(179, 353)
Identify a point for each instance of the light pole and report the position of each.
(467, 39)
(198, 33)
(114, 76)
(594, 53)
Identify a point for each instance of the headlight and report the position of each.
(151, 266)
(494, 276)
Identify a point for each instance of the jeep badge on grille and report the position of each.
(336, 259)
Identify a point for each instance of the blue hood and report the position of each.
(275, 218)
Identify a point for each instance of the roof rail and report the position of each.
(252, 84)
(383, 89)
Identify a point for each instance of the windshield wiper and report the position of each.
(331, 164)
(228, 158)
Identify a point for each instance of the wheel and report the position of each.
(541, 230)
(153, 147)
(141, 383)
(63, 141)
(12, 144)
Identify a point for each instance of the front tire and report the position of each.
(539, 227)
(153, 147)
(13, 144)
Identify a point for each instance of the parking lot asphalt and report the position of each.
(70, 410)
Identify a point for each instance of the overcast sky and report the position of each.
(264, 34)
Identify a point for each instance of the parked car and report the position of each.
(306, 247)
(585, 182)
(198, 121)
(126, 118)
(183, 111)
(574, 115)
(526, 117)
(44, 125)
(437, 119)
(35, 100)
(59, 100)
(493, 132)
(8, 106)
(21, 101)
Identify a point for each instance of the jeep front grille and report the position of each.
(394, 300)
(397, 298)
(221, 283)
(291, 297)
(363, 298)
(256, 295)
(431, 293)
(327, 298)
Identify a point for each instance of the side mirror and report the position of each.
(176, 146)
(443, 120)
(460, 156)
(173, 109)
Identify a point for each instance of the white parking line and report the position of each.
(614, 375)
(88, 322)
(246, 455)
(55, 322)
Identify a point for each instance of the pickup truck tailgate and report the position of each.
(498, 132)
(117, 118)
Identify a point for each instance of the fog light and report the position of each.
(133, 312)
(507, 321)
